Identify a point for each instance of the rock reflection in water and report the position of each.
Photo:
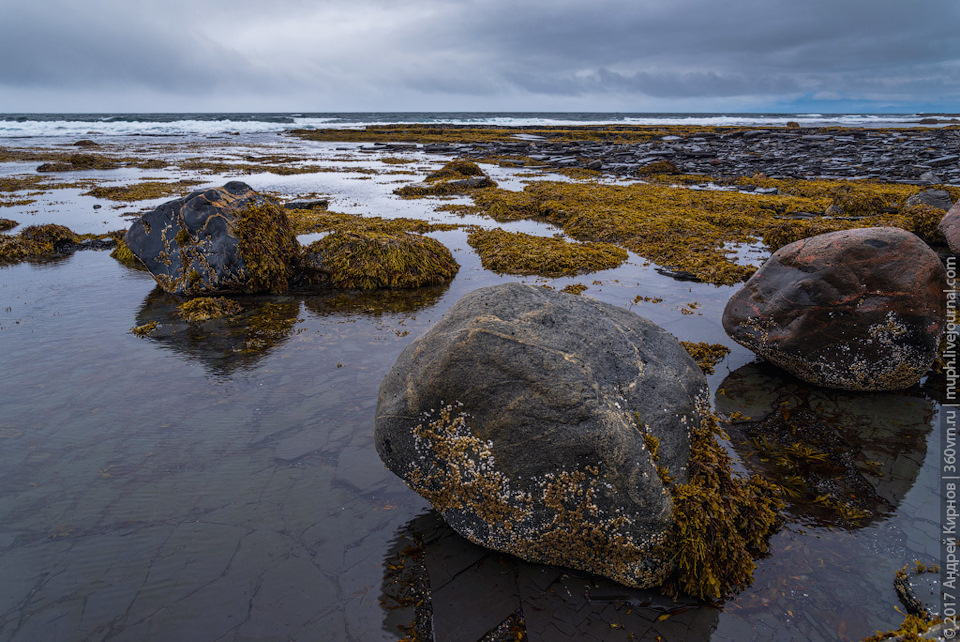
(227, 344)
(841, 458)
(439, 586)
(374, 302)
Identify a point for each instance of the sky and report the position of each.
(480, 55)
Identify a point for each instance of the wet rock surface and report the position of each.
(859, 309)
(950, 228)
(227, 239)
(896, 155)
(528, 417)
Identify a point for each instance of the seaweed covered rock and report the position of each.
(359, 259)
(858, 309)
(220, 240)
(36, 242)
(548, 426)
(950, 227)
(453, 178)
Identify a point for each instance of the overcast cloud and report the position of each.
(478, 55)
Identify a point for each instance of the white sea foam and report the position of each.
(108, 125)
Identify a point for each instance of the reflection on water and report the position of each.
(226, 344)
(240, 341)
(434, 578)
(374, 303)
(841, 458)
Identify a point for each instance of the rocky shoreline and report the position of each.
(909, 156)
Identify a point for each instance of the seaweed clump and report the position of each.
(721, 521)
(77, 162)
(205, 308)
(268, 246)
(370, 260)
(453, 178)
(707, 355)
(147, 190)
(518, 253)
(36, 242)
(121, 252)
(7, 224)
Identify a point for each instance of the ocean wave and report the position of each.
(202, 125)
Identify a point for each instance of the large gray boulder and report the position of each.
(227, 239)
(535, 421)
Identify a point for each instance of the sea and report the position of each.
(201, 124)
(219, 481)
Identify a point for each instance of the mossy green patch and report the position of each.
(205, 308)
(707, 355)
(369, 260)
(146, 190)
(721, 521)
(518, 253)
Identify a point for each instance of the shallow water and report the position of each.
(220, 482)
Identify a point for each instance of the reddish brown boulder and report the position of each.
(857, 309)
(950, 227)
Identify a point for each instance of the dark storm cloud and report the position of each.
(380, 53)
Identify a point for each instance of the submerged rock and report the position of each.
(859, 309)
(536, 422)
(219, 240)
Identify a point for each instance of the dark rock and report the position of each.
(320, 204)
(525, 416)
(942, 161)
(86, 143)
(938, 198)
(219, 240)
(931, 178)
(950, 227)
(858, 309)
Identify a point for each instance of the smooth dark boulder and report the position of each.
(950, 227)
(535, 422)
(858, 309)
(227, 239)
